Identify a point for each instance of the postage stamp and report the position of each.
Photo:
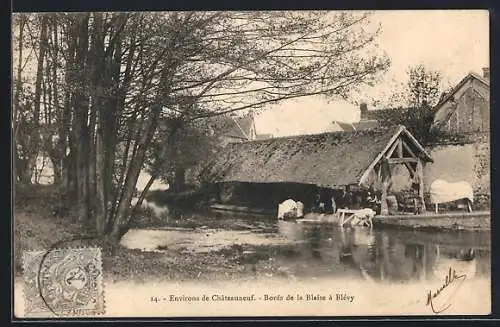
(63, 282)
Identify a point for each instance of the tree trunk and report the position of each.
(57, 169)
(161, 155)
(65, 137)
(24, 171)
(144, 192)
(100, 203)
(120, 221)
(57, 151)
(179, 179)
(81, 133)
(123, 171)
(110, 114)
(34, 146)
(133, 174)
(19, 82)
(99, 107)
(92, 159)
(17, 95)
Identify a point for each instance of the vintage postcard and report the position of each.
(256, 163)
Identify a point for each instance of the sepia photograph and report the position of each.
(251, 163)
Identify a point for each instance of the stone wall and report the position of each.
(454, 162)
(443, 222)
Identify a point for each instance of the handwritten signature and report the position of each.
(450, 279)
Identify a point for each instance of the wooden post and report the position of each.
(420, 174)
(384, 209)
(400, 148)
(385, 175)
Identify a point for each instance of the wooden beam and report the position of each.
(402, 160)
(410, 169)
(381, 154)
(407, 147)
(391, 149)
(400, 148)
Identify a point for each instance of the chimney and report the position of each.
(486, 73)
(363, 108)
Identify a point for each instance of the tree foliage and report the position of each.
(105, 85)
(413, 106)
(192, 145)
(423, 86)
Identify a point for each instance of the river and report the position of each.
(315, 251)
(323, 271)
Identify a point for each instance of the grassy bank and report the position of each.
(39, 225)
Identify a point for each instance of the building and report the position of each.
(368, 119)
(275, 169)
(235, 129)
(461, 152)
(466, 108)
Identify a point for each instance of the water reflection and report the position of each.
(386, 255)
(317, 251)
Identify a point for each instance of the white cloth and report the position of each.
(300, 209)
(287, 207)
(442, 191)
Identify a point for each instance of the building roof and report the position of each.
(346, 127)
(327, 159)
(236, 127)
(371, 119)
(386, 114)
(333, 127)
(363, 125)
(264, 136)
(471, 75)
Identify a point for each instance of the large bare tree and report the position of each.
(120, 74)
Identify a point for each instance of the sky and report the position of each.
(454, 42)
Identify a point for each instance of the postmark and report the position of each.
(63, 282)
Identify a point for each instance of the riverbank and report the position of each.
(213, 246)
(211, 253)
(38, 227)
(451, 221)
